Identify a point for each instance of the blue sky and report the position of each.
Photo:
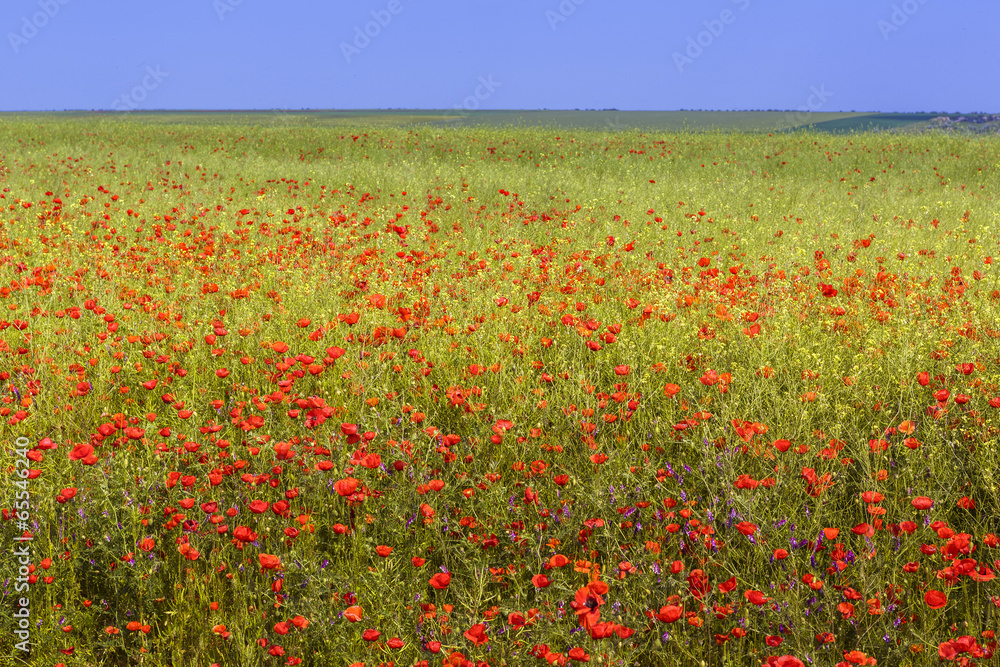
(862, 55)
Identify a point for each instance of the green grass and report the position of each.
(874, 122)
(611, 120)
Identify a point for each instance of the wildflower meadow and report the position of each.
(295, 394)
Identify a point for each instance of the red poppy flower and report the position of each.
(746, 527)
(269, 562)
(476, 634)
(863, 529)
(370, 635)
(346, 487)
(669, 613)
(622, 370)
(587, 602)
(383, 551)
(351, 432)
(727, 585)
(786, 661)
(441, 580)
(755, 598)
(258, 506)
(353, 614)
(922, 503)
(935, 599)
(698, 583)
(856, 657)
(244, 534)
(540, 581)
(81, 451)
(946, 651)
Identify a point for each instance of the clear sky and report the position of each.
(860, 55)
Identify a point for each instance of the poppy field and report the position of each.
(283, 395)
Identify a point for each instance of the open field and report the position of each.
(292, 393)
(608, 120)
(651, 121)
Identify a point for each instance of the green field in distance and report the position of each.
(611, 120)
